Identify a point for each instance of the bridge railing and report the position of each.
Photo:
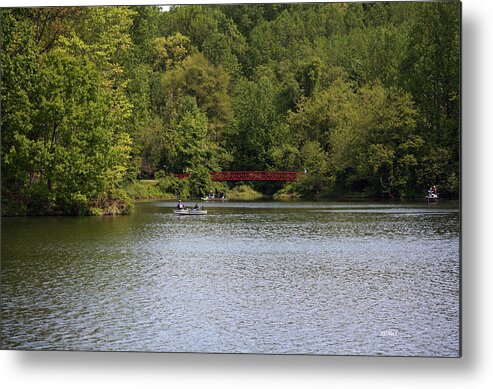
(249, 176)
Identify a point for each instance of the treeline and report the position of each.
(363, 97)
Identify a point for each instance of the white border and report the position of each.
(130, 370)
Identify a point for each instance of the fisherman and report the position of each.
(180, 205)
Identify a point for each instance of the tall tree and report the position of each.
(432, 74)
(208, 84)
(256, 117)
(71, 150)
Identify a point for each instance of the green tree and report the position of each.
(208, 84)
(254, 106)
(66, 147)
(431, 73)
(187, 148)
(143, 31)
(210, 31)
(374, 146)
(170, 52)
(316, 180)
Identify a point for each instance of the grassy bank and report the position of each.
(111, 202)
(244, 192)
(148, 190)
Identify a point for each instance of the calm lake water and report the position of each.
(339, 278)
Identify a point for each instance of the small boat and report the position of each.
(189, 212)
(432, 197)
(212, 198)
(432, 194)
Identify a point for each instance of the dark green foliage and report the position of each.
(256, 116)
(363, 96)
(64, 144)
(431, 72)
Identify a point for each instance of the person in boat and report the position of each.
(432, 192)
(180, 205)
(196, 206)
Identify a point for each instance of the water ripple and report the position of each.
(359, 279)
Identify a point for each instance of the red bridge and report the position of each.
(249, 176)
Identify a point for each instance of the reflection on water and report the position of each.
(326, 278)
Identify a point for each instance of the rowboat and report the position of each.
(432, 197)
(212, 198)
(189, 212)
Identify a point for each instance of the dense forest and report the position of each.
(362, 97)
